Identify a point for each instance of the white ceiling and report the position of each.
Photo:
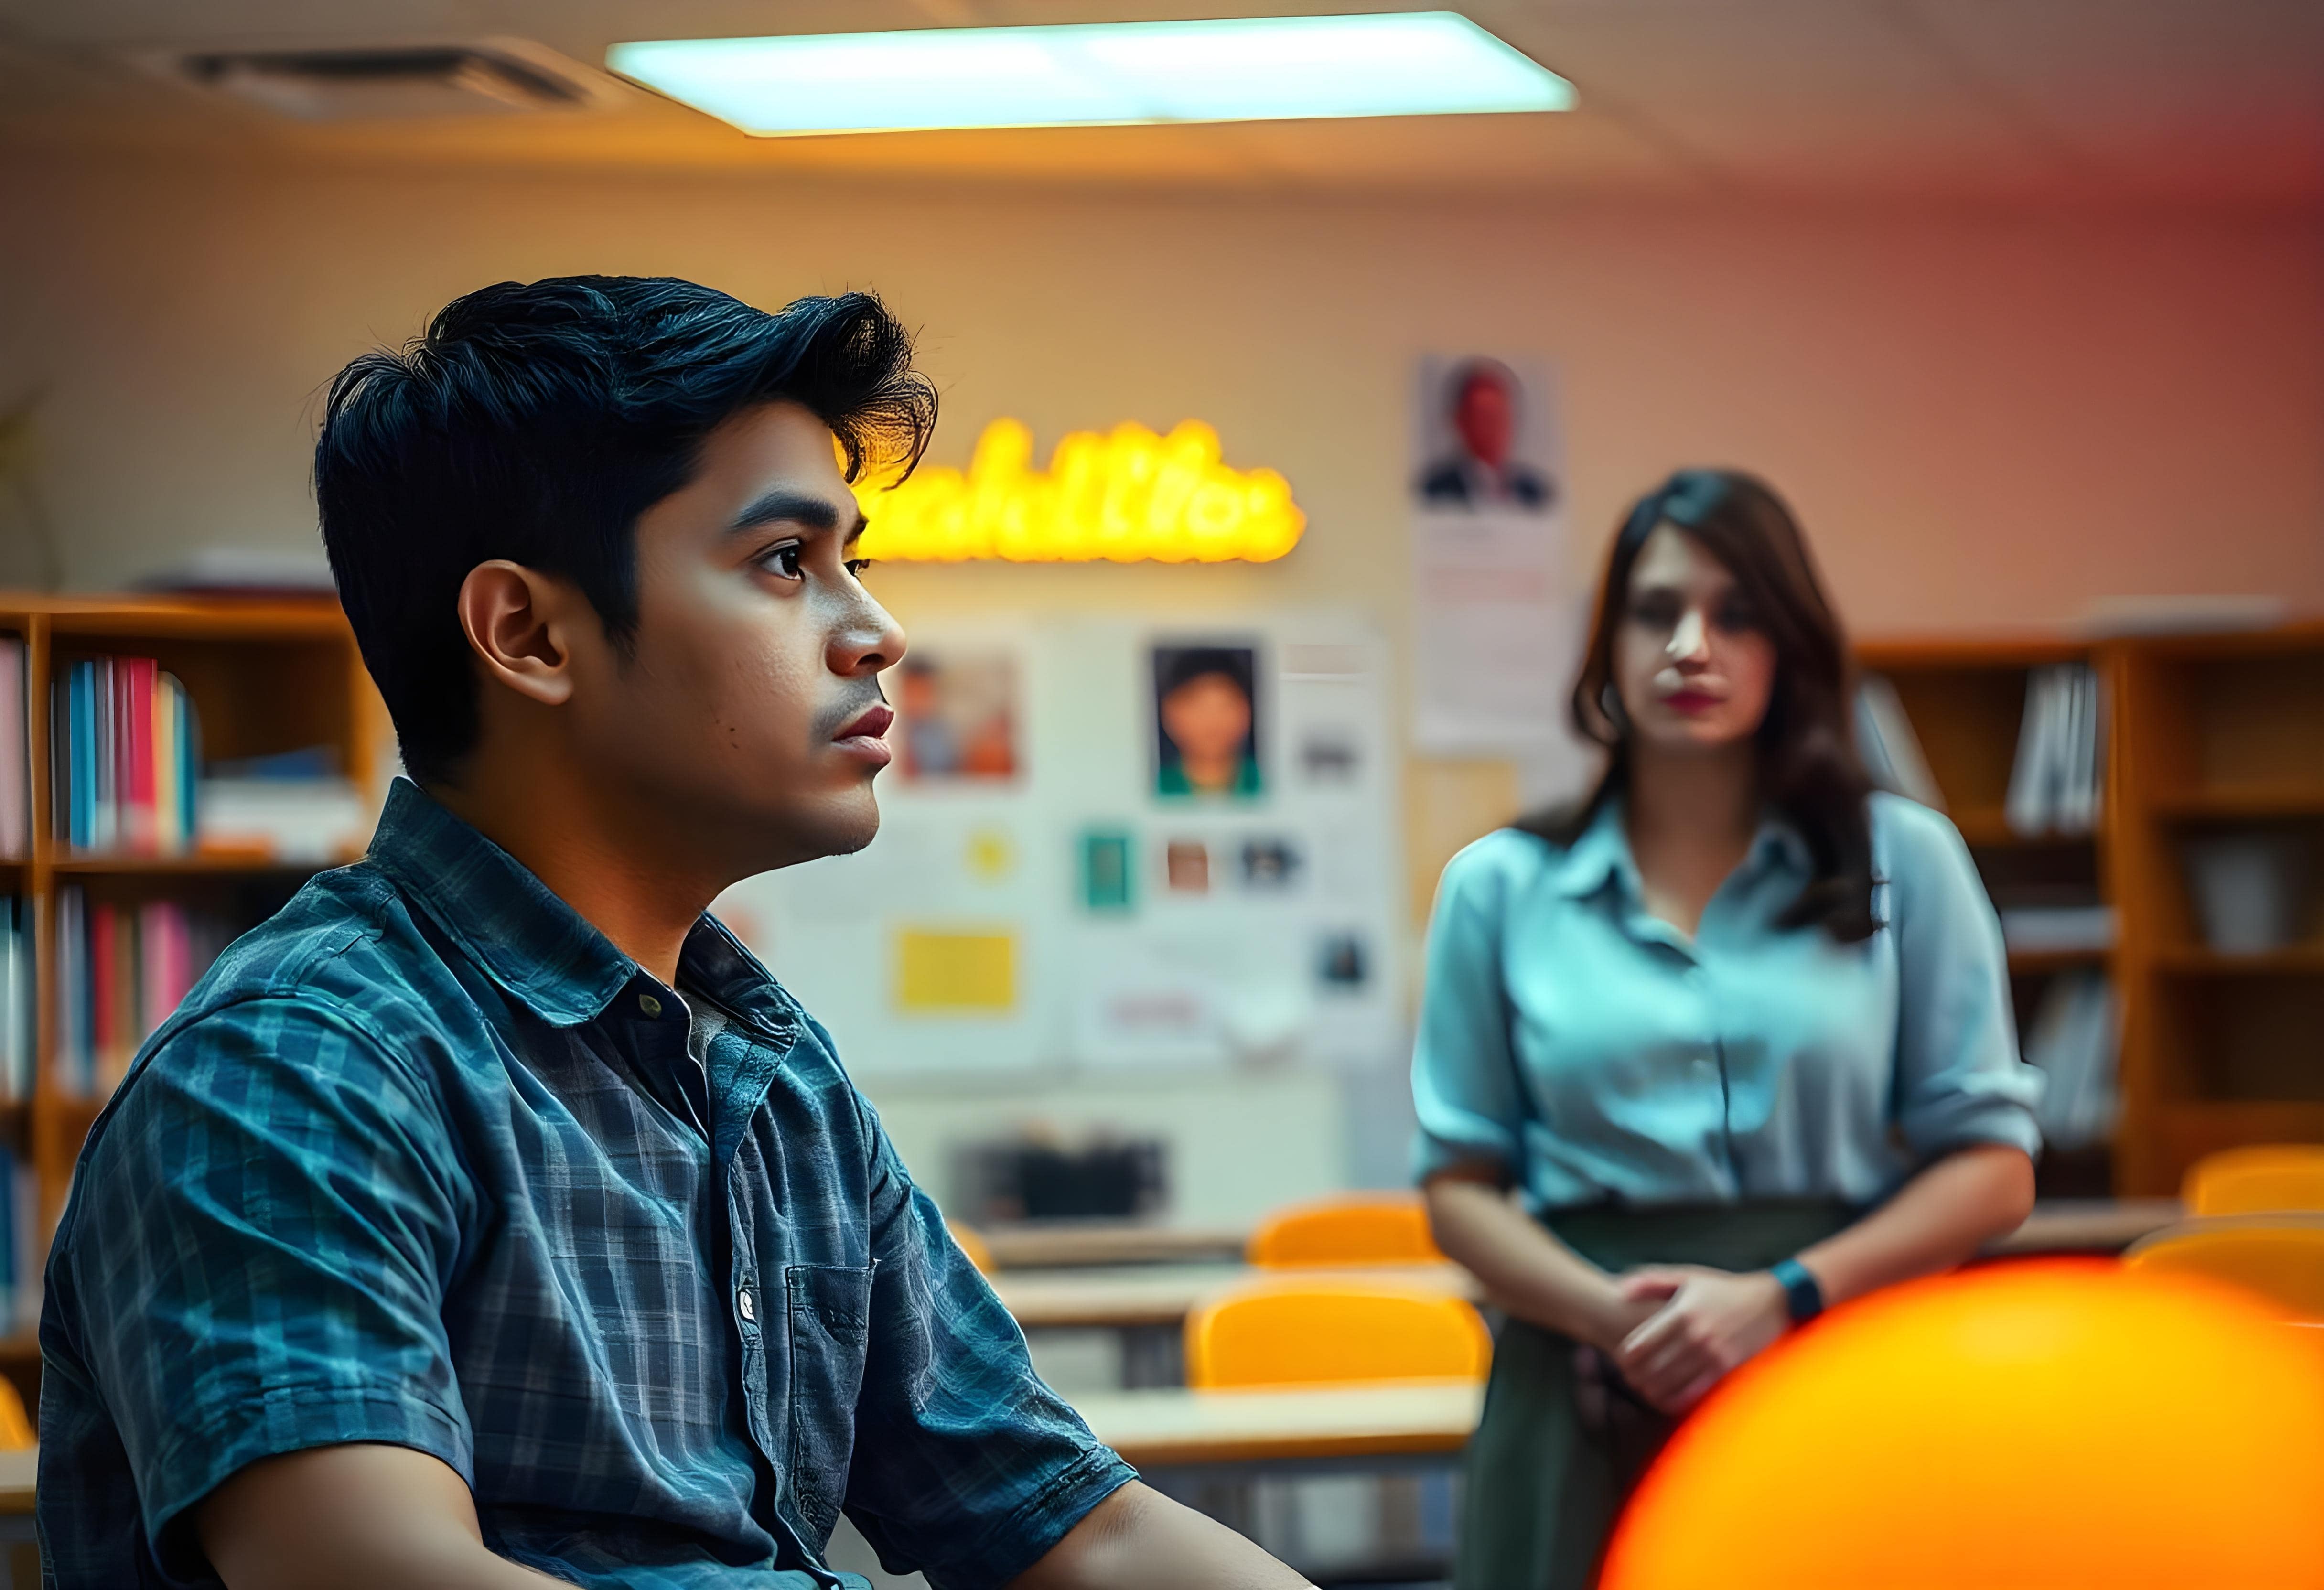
(2212, 102)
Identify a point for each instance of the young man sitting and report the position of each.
(490, 1213)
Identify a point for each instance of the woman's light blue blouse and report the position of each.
(1598, 1052)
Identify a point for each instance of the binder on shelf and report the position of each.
(1890, 750)
(16, 999)
(2074, 1039)
(2054, 782)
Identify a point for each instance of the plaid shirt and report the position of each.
(424, 1160)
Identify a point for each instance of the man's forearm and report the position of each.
(1138, 1540)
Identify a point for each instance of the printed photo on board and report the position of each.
(959, 716)
(1482, 444)
(1206, 722)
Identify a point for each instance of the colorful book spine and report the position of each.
(121, 971)
(15, 752)
(126, 757)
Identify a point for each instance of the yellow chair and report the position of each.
(2281, 1259)
(1356, 1228)
(1290, 1333)
(979, 1254)
(2263, 1179)
(16, 1434)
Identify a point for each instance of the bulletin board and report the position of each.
(1056, 884)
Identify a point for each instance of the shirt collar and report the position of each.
(544, 953)
(1603, 852)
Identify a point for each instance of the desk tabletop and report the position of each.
(1132, 1295)
(1157, 1428)
(1102, 1243)
(1123, 1296)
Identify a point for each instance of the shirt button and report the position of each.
(744, 1306)
(649, 1005)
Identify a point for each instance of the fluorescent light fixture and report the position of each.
(1248, 69)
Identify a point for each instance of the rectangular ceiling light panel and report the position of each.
(1099, 74)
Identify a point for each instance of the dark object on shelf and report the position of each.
(1106, 1179)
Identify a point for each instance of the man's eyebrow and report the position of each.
(785, 506)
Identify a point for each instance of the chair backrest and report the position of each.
(2281, 1259)
(1293, 1333)
(16, 1433)
(1356, 1229)
(2265, 1178)
(978, 1252)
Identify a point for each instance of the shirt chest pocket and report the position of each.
(830, 1308)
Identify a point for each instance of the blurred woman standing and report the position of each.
(1735, 1031)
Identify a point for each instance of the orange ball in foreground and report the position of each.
(2049, 1425)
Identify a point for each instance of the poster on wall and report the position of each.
(1495, 627)
(1118, 846)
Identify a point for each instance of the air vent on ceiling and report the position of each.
(399, 81)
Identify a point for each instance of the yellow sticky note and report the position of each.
(941, 973)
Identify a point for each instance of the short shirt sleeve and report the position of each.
(1959, 1078)
(1464, 1078)
(966, 1467)
(260, 1238)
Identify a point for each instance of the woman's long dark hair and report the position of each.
(1807, 767)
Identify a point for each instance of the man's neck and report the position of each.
(584, 845)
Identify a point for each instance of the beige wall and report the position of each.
(1984, 420)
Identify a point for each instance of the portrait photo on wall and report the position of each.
(958, 716)
(1206, 722)
(1483, 439)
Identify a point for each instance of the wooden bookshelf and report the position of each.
(2215, 734)
(265, 676)
(2205, 733)
(1965, 699)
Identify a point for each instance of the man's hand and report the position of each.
(1140, 1539)
(1706, 1323)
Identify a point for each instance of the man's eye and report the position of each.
(782, 561)
(856, 566)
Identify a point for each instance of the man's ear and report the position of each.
(519, 623)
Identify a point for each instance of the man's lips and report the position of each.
(872, 724)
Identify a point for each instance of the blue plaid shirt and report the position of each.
(425, 1160)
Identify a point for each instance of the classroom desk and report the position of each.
(1128, 1296)
(1125, 1297)
(1156, 1429)
(1105, 1242)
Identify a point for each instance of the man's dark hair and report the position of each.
(535, 422)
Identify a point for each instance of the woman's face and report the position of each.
(1691, 665)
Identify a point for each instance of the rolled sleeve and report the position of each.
(1959, 1078)
(263, 1225)
(1464, 1079)
(967, 1468)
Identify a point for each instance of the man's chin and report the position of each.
(841, 829)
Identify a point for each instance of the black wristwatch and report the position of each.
(1802, 1296)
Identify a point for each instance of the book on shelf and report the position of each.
(15, 752)
(124, 757)
(2055, 782)
(2091, 927)
(1890, 750)
(2074, 1038)
(21, 1244)
(17, 999)
(121, 969)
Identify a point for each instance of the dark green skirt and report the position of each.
(1556, 1454)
